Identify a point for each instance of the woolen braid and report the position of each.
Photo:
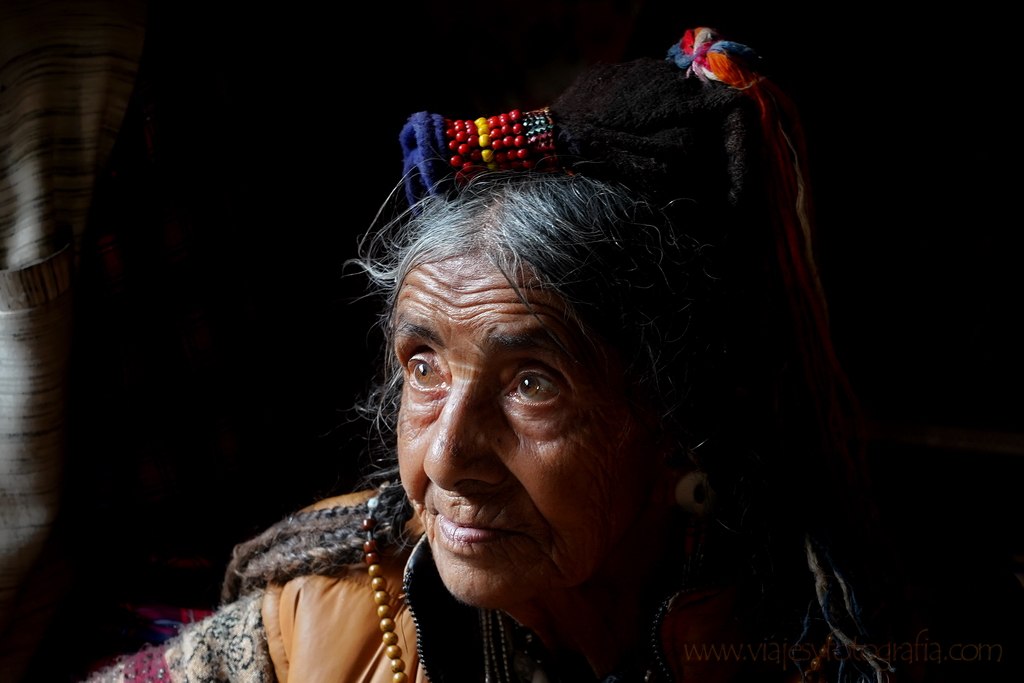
(323, 541)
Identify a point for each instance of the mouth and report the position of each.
(460, 535)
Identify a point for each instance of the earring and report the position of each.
(693, 493)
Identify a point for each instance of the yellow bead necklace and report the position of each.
(382, 598)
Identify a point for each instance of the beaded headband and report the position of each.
(439, 151)
(512, 141)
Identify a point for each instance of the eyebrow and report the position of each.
(532, 339)
(411, 330)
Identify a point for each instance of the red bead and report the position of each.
(473, 140)
(475, 155)
(493, 122)
(517, 165)
(456, 161)
(515, 115)
(517, 129)
(522, 152)
(508, 141)
(496, 144)
(371, 558)
(519, 141)
(464, 149)
(505, 130)
(369, 523)
(370, 546)
(461, 136)
(504, 119)
(450, 133)
(527, 164)
(453, 145)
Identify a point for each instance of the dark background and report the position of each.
(914, 153)
(289, 117)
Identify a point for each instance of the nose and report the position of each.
(470, 436)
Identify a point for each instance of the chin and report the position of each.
(483, 587)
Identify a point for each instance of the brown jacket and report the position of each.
(325, 629)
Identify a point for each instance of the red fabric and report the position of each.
(147, 665)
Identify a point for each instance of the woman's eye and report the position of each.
(536, 388)
(423, 373)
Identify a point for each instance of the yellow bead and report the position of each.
(390, 638)
(485, 141)
(393, 652)
(397, 665)
(384, 611)
(381, 598)
(387, 625)
(399, 677)
(815, 664)
(493, 167)
(374, 570)
(481, 122)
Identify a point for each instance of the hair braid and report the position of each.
(841, 617)
(323, 541)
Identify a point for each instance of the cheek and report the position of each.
(588, 489)
(411, 450)
(583, 491)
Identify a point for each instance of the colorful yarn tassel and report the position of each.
(705, 56)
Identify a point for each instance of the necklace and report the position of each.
(382, 597)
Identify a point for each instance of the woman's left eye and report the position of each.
(533, 387)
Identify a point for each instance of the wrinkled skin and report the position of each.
(539, 490)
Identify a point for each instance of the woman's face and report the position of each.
(516, 442)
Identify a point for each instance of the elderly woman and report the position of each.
(613, 439)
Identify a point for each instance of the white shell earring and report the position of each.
(693, 493)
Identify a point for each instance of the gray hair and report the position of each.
(629, 280)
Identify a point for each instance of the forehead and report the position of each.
(471, 295)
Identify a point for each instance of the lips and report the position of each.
(464, 534)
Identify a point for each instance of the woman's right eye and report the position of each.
(423, 373)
